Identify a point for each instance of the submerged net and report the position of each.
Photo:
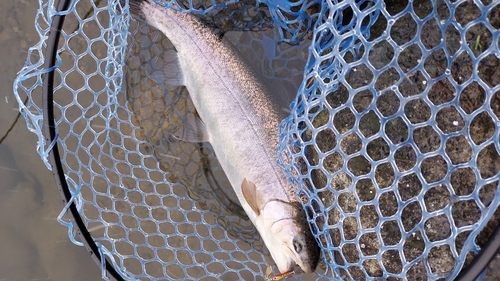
(392, 140)
(394, 136)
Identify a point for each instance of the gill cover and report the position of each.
(283, 227)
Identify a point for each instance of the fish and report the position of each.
(239, 115)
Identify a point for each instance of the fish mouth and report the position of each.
(287, 266)
(309, 261)
(308, 266)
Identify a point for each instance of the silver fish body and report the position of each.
(241, 118)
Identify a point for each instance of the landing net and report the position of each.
(392, 140)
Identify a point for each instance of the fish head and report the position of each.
(284, 228)
(286, 233)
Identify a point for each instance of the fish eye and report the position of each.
(297, 246)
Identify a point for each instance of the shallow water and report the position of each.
(39, 247)
(33, 245)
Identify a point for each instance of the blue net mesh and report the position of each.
(392, 140)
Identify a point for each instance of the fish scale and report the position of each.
(235, 107)
(241, 117)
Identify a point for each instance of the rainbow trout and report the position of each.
(240, 118)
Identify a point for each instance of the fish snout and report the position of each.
(307, 250)
(309, 265)
(284, 263)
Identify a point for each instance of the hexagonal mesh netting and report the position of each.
(392, 140)
(394, 136)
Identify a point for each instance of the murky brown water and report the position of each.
(33, 245)
(44, 252)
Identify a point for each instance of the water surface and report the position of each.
(33, 245)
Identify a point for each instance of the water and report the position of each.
(33, 245)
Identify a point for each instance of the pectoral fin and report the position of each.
(251, 195)
(194, 130)
(167, 69)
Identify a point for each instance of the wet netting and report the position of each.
(392, 141)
